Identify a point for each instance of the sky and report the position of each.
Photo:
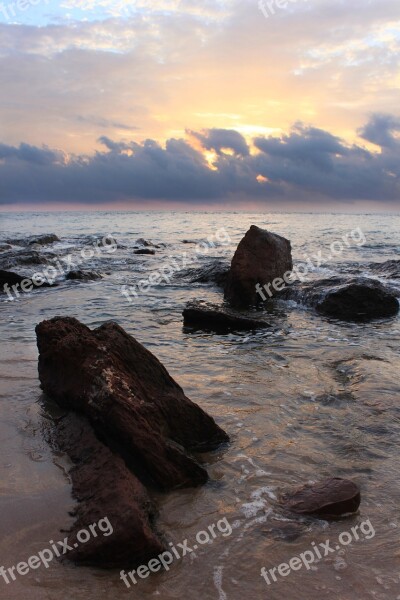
(231, 104)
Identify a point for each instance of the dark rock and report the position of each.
(389, 269)
(83, 275)
(4, 247)
(359, 299)
(145, 243)
(330, 498)
(260, 258)
(15, 258)
(214, 272)
(210, 317)
(129, 398)
(10, 278)
(149, 251)
(43, 240)
(105, 489)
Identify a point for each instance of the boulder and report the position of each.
(220, 319)
(129, 398)
(260, 258)
(21, 258)
(145, 243)
(4, 247)
(108, 495)
(83, 275)
(355, 299)
(329, 498)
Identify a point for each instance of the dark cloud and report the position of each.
(306, 164)
(222, 139)
(381, 130)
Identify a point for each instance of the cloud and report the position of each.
(381, 130)
(306, 164)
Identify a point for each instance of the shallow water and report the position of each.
(312, 398)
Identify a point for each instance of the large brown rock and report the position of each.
(329, 498)
(260, 258)
(129, 398)
(110, 498)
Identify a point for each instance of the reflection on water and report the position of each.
(311, 399)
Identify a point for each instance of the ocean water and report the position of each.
(313, 398)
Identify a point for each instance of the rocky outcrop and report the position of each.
(359, 299)
(4, 247)
(214, 272)
(82, 276)
(219, 319)
(260, 258)
(22, 258)
(330, 498)
(44, 239)
(109, 497)
(129, 398)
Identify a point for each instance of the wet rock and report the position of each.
(260, 258)
(9, 278)
(105, 489)
(220, 319)
(83, 276)
(21, 258)
(359, 299)
(329, 498)
(4, 247)
(145, 251)
(214, 272)
(389, 269)
(43, 240)
(145, 243)
(129, 398)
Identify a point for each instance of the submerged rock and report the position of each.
(21, 258)
(145, 243)
(214, 272)
(329, 498)
(83, 275)
(129, 398)
(260, 258)
(211, 317)
(4, 247)
(108, 496)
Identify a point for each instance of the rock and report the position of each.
(129, 398)
(330, 498)
(9, 278)
(145, 243)
(260, 258)
(357, 299)
(389, 269)
(210, 317)
(83, 275)
(16, 258)
(43, 240)
(4, 247)
(106, 492)
(214, 272)
(145, 251)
